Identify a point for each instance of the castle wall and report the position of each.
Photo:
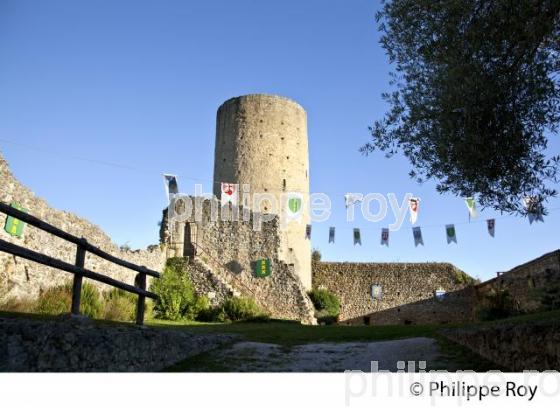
(527, 283)
(408, 292)
(224, 264)
(20, 278)
(261, 140)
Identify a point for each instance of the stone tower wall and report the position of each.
(261, 140)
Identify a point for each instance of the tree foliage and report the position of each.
(475, 92)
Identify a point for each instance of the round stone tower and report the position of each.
(261, 140)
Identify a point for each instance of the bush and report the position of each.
(325, 302)
(120, 305)
(58, 301)
(496, 304)
(177, 299)
(316, 255)
(213, 314)
(55, 301)
(240, 308)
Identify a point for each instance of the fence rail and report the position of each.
(78, 270)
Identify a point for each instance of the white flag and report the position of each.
(230, 193)
(413, 204)
(533, 209)
(294, 206)
(385, 236)
(351, 199)
(471, 206)
(417, 233)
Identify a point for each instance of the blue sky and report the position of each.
(138, 83)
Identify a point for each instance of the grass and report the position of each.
(288, 333)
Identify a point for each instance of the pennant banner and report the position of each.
(451, 234)
(357, 238)
(294, 206)
(491, 224)
(533, 208)
(351, 199)
(413, 204)
(229, 193)
(171, 186)
(385, 236)
(331, 234)
(417, 233)
(308, 232)
(471, 206)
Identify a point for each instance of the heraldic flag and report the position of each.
(491, 224)
(357, 237)
(413, 204)
(417, 233)
(385, 236)
(451, 234)
(294, 206)
(331, 234)
(229, 193)
(471, 206)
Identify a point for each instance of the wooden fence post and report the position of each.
(140, 307)
(77, 283)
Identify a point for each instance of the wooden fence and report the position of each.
(78, 269)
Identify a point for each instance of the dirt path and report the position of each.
(318, 357)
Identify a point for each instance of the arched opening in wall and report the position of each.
(367, 320)
(284, 184)
(189, 249)
(407, 322)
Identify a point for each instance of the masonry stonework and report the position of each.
(408, 292)
(222, 256)
(20, 278)
(261, 140)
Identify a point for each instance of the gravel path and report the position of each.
(320, 357)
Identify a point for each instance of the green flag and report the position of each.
(262, 268)
(14, 226)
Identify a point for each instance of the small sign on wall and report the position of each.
(376, 292)
(262, 268)
(14, 226)
(440, 294)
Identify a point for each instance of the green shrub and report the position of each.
(91, 304)
(213, 314)
(240, 308)
(177, 299)
(325, 302)
(120, 305)
(55, 301)
(58, 301)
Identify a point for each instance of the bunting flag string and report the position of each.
(451, 234)
(385, 237)
(413, 205)
(308, 232)
(357, 237)
(229, 193)
(491, 224)
(533, 208)
(471, 206)
(417, 233)
(331, 234)
(171, 186)
(351, 199)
